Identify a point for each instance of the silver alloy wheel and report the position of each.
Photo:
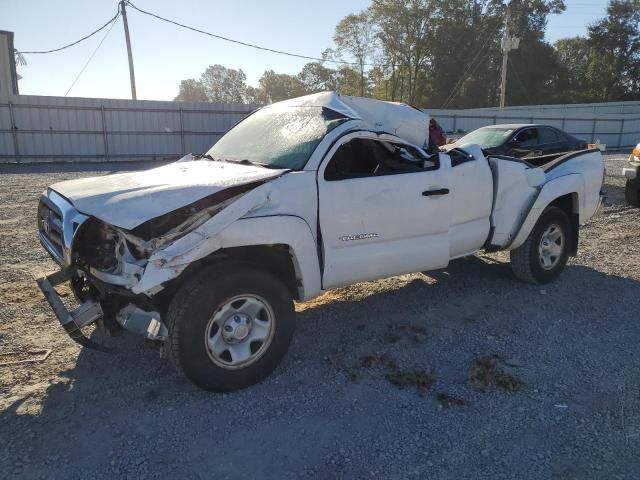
(239, 331)
(551, 246)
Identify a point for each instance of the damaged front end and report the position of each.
(98, 262)
(106, 265)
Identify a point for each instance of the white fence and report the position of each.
(58, 129)
(625, 108)
(587, 121)
(52, 129)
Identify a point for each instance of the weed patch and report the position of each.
(420, 379)
(487, 372)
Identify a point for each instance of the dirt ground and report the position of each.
(460, 373)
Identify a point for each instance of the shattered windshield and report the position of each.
(277, 137)
(486, 137)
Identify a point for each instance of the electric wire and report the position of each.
(452, 95)
(462, 78)
(475, 69)
(80, 40)
(520, 82)
(113, 24)
(246, 44)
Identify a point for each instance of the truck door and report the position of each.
(471, 200)
(383, 209)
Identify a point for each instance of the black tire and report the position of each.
(525, 260)
(193, 306)
(632, 192)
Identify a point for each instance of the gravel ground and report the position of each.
(461, 373)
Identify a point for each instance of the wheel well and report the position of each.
(276, 259)
(569, 203)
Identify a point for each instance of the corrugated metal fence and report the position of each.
(616, 130)
(50, 129)
(630, 107)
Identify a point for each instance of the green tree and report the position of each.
(348, 81)
(255, 96)
(464, 55)
(614, 70)
(191, 90)
(534, 73)
(355, 35)
(403, 30)
(574, 58)
(447, 53)
(318, 78)
(224, 85)
(279, 86)
(381, 88)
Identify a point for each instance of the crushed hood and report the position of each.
(127, 200)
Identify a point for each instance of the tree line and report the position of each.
(447, 54)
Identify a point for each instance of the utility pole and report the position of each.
(132, 75)
(508, 43)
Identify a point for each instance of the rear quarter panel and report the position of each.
(579, 173)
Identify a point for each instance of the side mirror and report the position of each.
(514, 142)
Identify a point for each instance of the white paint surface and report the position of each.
(126, 200)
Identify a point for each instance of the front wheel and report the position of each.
(230, 326)
(544, 254)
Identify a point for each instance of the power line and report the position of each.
(475, 69)
(520, 82)
(113, 24)
(82, 39)
(463, 77)
(238, 42)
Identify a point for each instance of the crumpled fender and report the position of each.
(572, 183)
(229, 229)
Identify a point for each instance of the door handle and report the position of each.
(439, 191)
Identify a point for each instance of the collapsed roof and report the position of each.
(400, 119)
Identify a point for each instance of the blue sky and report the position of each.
(165, 54)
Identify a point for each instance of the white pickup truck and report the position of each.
(208, 254)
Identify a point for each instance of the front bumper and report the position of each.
(145, 322)
(87, 313)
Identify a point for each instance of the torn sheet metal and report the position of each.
(331, 100)
(167, 263)
(127, 200)
(400, 119)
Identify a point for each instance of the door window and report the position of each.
(548, 135)
(363, 157)
(527, 138)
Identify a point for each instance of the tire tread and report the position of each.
(520, 264)
(521, 258)
(183, 322)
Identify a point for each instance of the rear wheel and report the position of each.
(632, 192)
(544, 254)
(230, 326)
